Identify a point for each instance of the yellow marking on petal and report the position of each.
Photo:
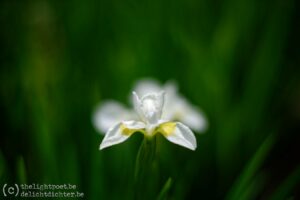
(167, 128)
(126, 131)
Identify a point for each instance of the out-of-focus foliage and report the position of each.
(237, 60)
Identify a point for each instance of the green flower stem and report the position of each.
(143, 167)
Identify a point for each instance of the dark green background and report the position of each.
(237, 60)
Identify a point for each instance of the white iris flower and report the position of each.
(149, 109)
(176, 108)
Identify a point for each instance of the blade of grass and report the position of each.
(251, 168)
(165, 190)
(254, 188)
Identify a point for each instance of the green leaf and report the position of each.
(246, 177)
(165, 190)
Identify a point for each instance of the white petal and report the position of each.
(108, 114)
(121, 132)
(149, 107)
(134, 125)
(158, 101)
(181, 135)
(171, 90)
(195, 119)
(152, 106)
(137, 105)
(171, 99)
(146, 86)
(190, 115)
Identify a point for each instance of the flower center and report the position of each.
(149, 107)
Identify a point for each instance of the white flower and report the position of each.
(176, 106)
(150, 110)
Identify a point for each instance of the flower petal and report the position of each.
(149, 107)
(152, 106)
(146, 86)
(171, 89)
(137, 105)
(134, 125)
(179, 134)
(195, 119)
(110, 113)
(121, 132)
(190, 115)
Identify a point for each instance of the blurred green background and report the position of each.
(237, 60)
